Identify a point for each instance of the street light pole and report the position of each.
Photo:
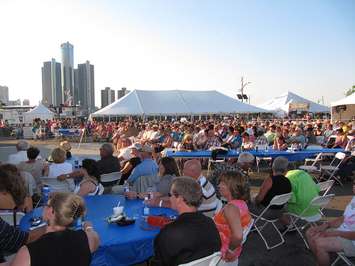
(242, 86)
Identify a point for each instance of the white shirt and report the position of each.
(349, 218)
(57, 169)
(18, 157)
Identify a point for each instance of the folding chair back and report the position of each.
(211, 260)
(280, 199)
(325, 186)
(321, 201)
(114, 176)
(10, 216)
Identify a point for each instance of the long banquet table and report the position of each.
(290, 155)
(119, 245)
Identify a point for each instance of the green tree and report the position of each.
(350, 91)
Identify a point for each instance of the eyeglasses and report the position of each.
(173, 194)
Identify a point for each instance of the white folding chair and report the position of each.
(313, 166)
(333, 167)
(321, 202)
(277, 200)
(341, 256)
(210, 162)
(211, 260)
(10, 216)
(58, 186)
(110, 179)
(325, 186)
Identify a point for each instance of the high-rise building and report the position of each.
(67, 73)
(51, 83)
(26, 102)
(84, 93)
(122, 92)
(107, 97)
(4, 94)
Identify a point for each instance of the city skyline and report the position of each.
(304, 47)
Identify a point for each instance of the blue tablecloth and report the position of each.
(120, 245)
(69, 132)
(291, 156)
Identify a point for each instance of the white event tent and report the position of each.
(281, 105)
(344, 109)
(175, 103)
(39, 111)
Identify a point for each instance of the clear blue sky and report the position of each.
(307, 47)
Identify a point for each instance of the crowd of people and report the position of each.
(211, 218)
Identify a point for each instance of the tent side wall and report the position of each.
(346, 115)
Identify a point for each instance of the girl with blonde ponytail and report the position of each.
(60, 245)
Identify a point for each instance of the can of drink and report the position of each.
(46, 190)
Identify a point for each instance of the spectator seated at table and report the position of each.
(148, 166)
(33, 166)
(69, 158)
(234, 218)
(60, 167)
(21, 154)
(212, 139)
(60, 245)
(280, 144)
(192, 235)
(233, 139)
(192, 168)
(297, 137)
(124, 153)
(108, 163)
(304, 190)
(246, 143)
(271, 135)
(131, 163)
(165, 140)
(186, 143)
(168, 170)
(341, 139)
(12, 196)
(89, 185)
(28, 180)
(272, 186)
(337, 235)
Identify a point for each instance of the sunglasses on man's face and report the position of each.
(172, 194)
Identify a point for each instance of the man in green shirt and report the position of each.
(304, 190)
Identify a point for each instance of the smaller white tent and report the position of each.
(39, 111)
(344, 109)
(283, 104)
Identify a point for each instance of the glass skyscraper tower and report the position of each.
(67, 73)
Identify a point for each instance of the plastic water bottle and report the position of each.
(126, 186)
(46, 190)
(146, 208)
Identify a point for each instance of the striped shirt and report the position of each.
(11, 239)
(209, 201)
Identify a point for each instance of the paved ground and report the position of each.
(293, 252)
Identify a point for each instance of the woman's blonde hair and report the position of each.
(236, 184)
(58, 155)
(67, 207)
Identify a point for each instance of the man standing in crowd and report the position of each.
(192, 235)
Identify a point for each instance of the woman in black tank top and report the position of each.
(61, 245)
